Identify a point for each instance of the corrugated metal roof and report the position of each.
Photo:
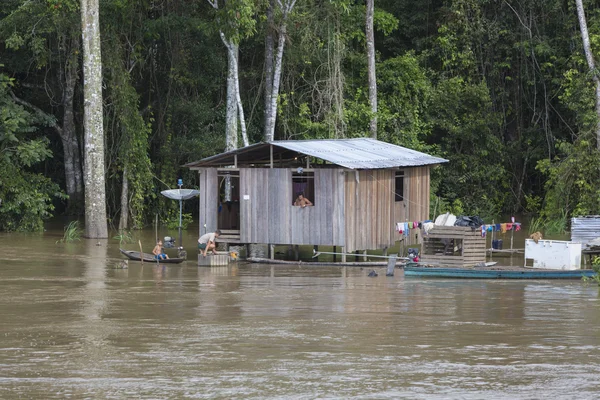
(360, 153)
(586, 230)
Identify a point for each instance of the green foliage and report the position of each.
(596, 268)
(171, 220)
(236, 19)
(551, 226)
(464, 125)
(73, 233)
(573, 180)
(26, 196)
(124, 237)
(501, 90)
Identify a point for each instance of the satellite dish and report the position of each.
(180, 194)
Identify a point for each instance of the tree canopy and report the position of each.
(502, 89)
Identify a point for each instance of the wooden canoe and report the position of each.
(135, 256)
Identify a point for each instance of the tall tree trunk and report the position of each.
(286, 7)
(68, 134)
(124, 218)
(233, 86)
(272, 111)
(371, 67)
(231, 119)
(234, 100)
(231, 125)
(269, 48)
(589, 56)
(95, 190)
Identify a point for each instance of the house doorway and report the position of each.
(229, 201)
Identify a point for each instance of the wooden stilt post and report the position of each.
(391, 265)
(272, 251)
(512, 237)
(316, 250)
(364, 255)
(343, 250)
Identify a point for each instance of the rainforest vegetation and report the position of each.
(502, 89)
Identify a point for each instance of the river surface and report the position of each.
(72, 326)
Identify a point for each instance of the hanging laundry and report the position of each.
(399, 227)
(503, 228)
(509, 226)
(517, 227)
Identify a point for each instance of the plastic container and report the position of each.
(497, 244)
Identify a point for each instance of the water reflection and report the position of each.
(73, 326)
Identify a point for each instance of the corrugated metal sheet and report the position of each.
(586, 230)
(360, 153)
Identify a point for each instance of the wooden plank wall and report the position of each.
(209, 200)
(369, 209)
(418, 193)
(415, 206)
(268, 216)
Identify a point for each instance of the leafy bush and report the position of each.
(26, 197)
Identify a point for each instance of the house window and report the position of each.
(303, 182)
(399, 188)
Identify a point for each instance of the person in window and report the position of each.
(302, 201)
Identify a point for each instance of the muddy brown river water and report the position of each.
(71, 326)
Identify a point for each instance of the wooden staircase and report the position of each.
(229, 236)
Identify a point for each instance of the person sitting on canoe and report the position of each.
(158, 253)
(302, 201)
(207, 242)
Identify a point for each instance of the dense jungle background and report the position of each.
(500, 88)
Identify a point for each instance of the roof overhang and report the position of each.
(359, 153)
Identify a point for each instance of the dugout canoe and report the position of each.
(135, 256)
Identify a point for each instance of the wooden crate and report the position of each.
(453, 246)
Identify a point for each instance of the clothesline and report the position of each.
(404, 227)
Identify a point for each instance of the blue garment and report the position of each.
(161, 256)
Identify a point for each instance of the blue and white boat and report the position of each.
(495, 272)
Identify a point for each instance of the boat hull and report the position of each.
(512, 273)
(135, 256)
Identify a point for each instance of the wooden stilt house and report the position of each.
(360, 188)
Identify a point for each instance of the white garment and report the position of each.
(445, 219)
(427, 227)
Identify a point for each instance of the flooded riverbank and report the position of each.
(72, 326)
